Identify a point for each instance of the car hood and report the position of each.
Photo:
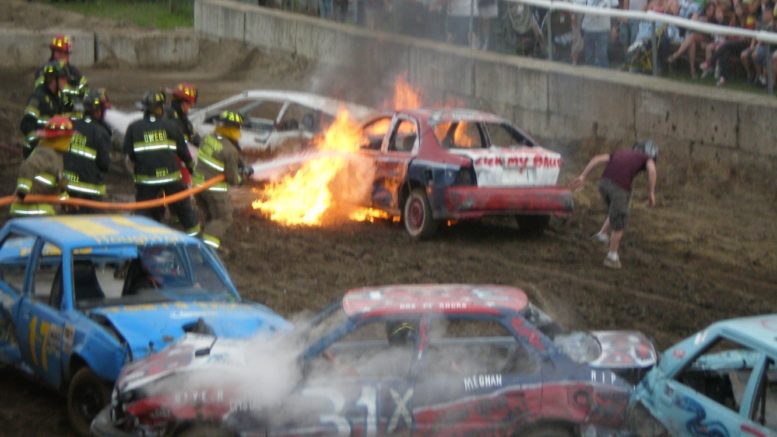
(609, 349)
(514, 166)
(148, 328)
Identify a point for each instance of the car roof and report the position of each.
(69, 231)
(436, 115)
(325, 104)
(760, 330)
(389, 300)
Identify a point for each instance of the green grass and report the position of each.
(157, 14)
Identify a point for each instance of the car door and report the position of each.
(14, 259)
(763, 407)
(392, 162)
(475, 378)
(709, 394)
(40, 321)
(292, 131)
(358, 385)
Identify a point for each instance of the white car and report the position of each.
(277, 120)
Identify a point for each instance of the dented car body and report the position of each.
(434, 165)
(721, 381)
(277, 121)
(473, 360)
(80, 296)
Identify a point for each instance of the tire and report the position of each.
(547, 431)
(533, 225)
(86, 396)
(417, 215)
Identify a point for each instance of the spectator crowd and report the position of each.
(515, 28)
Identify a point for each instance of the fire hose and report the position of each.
(120, 206)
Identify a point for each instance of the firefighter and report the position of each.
(219, 153)
(77, 88)
(184, 98)
(152, 145)
(42, 172)
(44, 103)
(89, 155)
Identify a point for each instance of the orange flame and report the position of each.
(327, 184)
(405, 97)
(304, 197)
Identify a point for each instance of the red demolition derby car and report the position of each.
(435, 165)
(431, 360)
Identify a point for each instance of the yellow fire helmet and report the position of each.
(228, 124)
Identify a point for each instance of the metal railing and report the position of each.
(356, 9)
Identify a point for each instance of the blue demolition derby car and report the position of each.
(80, 296)
(721, 381)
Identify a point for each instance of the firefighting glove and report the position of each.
(196, 139)
(21, 195)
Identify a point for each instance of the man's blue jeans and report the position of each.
(595, 48)
(325, 8)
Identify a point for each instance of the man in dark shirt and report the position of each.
(615, 187)
(152, 144)
(88, 157)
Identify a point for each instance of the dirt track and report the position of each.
(706, 252)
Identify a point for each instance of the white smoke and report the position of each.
(120, 120)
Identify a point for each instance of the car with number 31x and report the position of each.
(457, 164)
(80, 296)
(437, 359)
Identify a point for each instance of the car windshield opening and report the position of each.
(125, 275)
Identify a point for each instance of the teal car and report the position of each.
(81, 296)
(721, 381)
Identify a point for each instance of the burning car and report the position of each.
(390, 360)
(80, 296)
(435, 165)
(276, 120)
(720, 381)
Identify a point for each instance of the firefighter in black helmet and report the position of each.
(44, 103)
(76, 88)
(152, 145)
(89, 155)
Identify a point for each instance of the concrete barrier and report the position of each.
(23, 48)
(552, 100)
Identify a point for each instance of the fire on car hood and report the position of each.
(514, 167)
(149, 328)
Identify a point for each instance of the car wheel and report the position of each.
(86, 396)
(532, 224)
(417, 215)
(547, 431)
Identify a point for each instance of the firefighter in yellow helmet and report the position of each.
(219, 153)
(42, 171)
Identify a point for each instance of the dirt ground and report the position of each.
(706, 252)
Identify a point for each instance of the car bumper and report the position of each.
(473, 202)
(102, 425)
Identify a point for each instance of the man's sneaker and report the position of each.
(601, 238)
(612, 263)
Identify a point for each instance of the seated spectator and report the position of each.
(694, 40)
(719, 59)
(755, 57)
(597, 31)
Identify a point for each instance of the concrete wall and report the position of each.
(25, 48)
(549, 99)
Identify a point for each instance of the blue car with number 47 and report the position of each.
(80, 296)
(721, 381)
